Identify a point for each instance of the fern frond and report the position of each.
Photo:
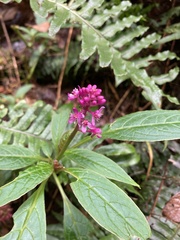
(114, 32)
(104, 31)
(27, 126)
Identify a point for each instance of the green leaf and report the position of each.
(60, 16)
(89, 39)
(30, 219)
(107, 30)
(161, 56)
(99, 164)
(110, 237)
(59, 123)
(171, 37)
(140, 44)
(171, 99)
(76, 225)
(20, 93)
(168, 77)
(27, 126)
(33, 61)
(110, 30)
(15, 157)
(141, 79)
(55, 232)
(105, 54)
(46, 7)
(109, 205)
(155, 125)
(90, 6)
(123, 153)
(26, 181)
(42, 120)
(99, 19)
(118, 65)
(3, 113)
(128, 35)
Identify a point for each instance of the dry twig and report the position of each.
(58, 96)
(11, 51)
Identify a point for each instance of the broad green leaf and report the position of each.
(30, 219)
(122, 153)
(152, 125)
(99, 164)
(59, 123)
(46, 148)
(26, 181)
(76, 225)
(16, 157)
(109, 205)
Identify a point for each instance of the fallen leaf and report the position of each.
(172, 209)
(42, 27)
(175, 163)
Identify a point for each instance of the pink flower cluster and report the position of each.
(87, 97)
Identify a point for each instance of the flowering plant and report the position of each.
(49, 151)
(67, 155)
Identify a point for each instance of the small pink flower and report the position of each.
(84, 125)
(76, 116)
(95, 131)
(73, 95)
(97, 115)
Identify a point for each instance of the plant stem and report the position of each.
(59, 186)
(68, 142)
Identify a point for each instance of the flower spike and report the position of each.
(87, 97)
